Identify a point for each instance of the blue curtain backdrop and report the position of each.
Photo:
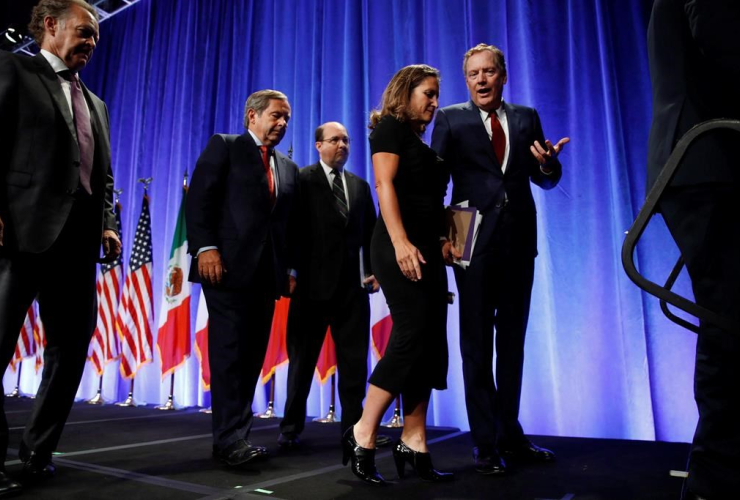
(601, 361)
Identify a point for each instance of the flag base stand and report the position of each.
(168, 406)
(15, 393)
(396, 421)
(205, 410)
(97, 400)
(269, 412)
(330, 417)
(129, 401)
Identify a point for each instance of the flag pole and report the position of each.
(169, 405)
(130, 399)
(270, 411)
(330, 417)
(16, 393)
(98, 399)
(396, 420)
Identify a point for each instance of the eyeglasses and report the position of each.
(335, 140)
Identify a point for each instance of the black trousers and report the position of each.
(238, 332)
(704, 223)
(62, 279)
(348, 315)
(495, 292)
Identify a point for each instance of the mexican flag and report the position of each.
(173, 339)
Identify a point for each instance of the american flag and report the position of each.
(39, 335)
(26, 347)
(134, 321)
(104, 346)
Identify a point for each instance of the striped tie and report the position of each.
(339, 197)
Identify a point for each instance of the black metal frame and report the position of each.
(665, 294)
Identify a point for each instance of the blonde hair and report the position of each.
(397, 95)
(498, 57)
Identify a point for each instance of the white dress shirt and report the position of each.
(330, 177)
(501, 114)
(58, 66)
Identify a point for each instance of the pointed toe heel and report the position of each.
(363, 459)
(421, 463)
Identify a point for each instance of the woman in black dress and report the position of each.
(407, 258)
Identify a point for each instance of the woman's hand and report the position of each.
(409, 259)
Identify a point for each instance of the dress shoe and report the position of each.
(527, 451)
(8, 486)
(239, 453)
(287, 442)
(363, 459)
(37, 466)
(421, 462)
(488, 462)
(382, 440)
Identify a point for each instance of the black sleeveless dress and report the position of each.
(416, 356)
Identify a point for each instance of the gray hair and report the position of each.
(58, 9)
(260, 101)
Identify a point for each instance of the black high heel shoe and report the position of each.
(421, 462)
(363, 459)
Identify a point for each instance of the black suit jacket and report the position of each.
(327, 243)
(460, 138)
(694, 51)
(228, 207)
(39, 158)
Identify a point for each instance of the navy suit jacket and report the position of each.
(40, 159)
(327, 242)
(460, 138)
(228, 206)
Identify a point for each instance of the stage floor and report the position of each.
(143, 453)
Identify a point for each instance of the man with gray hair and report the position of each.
(56, 206)
(242, 200)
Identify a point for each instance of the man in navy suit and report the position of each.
(241, 202)
(492, 151)
(56, 205)
(337, 218)
(694, 55)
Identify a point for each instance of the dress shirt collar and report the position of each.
(328, 170)
(500, 112)
(56, 64)
(256, 139)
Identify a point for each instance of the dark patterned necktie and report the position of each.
(498, 138)
(340, 198)
(268, 172)
(85, 139)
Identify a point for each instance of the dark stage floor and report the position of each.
(142, 453)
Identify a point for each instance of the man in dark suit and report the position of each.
(694, 55)
(56, 205)
(492, 151)
(242, 199)
(337, 217)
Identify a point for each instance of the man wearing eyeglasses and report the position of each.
(334, 277)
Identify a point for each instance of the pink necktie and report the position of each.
(85, 139)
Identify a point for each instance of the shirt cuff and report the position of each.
(203, 249)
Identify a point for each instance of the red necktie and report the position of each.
(498, 138)
(268, 172)
(85, 139)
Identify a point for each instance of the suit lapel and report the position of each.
(514, 121)
(51, 82)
